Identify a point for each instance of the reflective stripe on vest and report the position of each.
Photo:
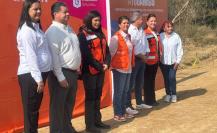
(151, 57)
(154, 46)
(97, 48)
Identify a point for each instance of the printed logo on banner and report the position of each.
(77, 3)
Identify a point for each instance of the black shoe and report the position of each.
(152, 104)
(102, 125)
(155, 104)
(74, 131)
(93, 130)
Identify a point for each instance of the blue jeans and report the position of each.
(169, 74)
(121, 86)
(136, 82)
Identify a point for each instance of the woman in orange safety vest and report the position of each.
(121, 50)
(152, 61)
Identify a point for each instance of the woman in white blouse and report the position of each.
(172, 55)
(35, 63)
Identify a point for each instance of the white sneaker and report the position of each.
(143, 106)
(131, 111)
(174, 98)
(167, 98)
(128, 116)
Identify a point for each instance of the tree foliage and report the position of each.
(198, 12)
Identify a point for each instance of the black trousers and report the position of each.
(31, 100)
(149, 84)
(62, 101)
(93, 85)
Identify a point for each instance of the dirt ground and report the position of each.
(195, 111)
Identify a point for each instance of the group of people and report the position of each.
(59, 55)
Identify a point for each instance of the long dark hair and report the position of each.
(88, 23)
(25, 18)
(88, 18)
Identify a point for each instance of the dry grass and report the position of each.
(195, 55)
(200, 44)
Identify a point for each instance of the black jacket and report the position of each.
(87, 57)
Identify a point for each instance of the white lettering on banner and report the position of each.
(24, 0)
(84, 3)
(77, 3)
(136, 9)
(141, 2)
(88, 4)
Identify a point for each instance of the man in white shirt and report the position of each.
(141, 49)
(62, 82)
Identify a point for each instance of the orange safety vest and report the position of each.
(154, 46)
(97, 48)
(121, 58)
